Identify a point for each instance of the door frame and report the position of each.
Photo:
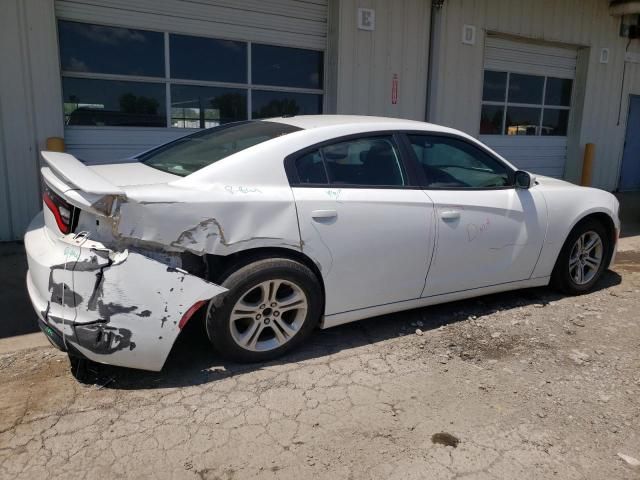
(624, 143)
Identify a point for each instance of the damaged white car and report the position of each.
(275, 227)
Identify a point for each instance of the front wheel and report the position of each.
(582, 258)
(271, 307)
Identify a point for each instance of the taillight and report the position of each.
(62, 211)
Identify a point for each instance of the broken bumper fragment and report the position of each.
(115, 307)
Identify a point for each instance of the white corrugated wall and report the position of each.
(30, 107)
(366, 61)
(585, 24)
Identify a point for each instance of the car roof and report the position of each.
(309, 122)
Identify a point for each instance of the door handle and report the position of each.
(450, 215)
(324, 214)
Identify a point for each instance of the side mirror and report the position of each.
(522, 179)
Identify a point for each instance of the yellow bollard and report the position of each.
(55, 144)
(587, 164)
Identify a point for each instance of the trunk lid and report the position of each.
(90, 193)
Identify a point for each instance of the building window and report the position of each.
(205, 107)
(113, 76)
(198, 58)
(88, 48)
(518, 104)
(286, 67)
(275, 104)
(89, 101)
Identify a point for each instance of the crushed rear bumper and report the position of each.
(115, 307)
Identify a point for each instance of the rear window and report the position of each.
(193, 152)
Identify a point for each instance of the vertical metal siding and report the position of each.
(367, 60)
(582, 23)
(30, 107)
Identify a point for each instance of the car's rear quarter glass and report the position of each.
(310, 168)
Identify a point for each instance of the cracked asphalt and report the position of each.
(531, 385)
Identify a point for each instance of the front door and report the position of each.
(370, 231)
(485, 238)
(630, 173)
(488, 232)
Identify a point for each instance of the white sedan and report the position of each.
(272, 228)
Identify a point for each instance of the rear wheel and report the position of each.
(271, 307)
(582, 259)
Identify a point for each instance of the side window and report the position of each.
(365, 161)
(453, 163)
(311, 169)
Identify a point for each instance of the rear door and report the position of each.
(488, 232)
(364, 219)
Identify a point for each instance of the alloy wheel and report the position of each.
(586, 257)
(268, 315)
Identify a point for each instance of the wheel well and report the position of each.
(607, 222)
(220, 267)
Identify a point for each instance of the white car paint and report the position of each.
(377, 250)
(396, 224)
(485, 238)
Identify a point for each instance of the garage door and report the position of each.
(526, 102)
(136, 73)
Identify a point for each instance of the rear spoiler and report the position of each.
(78, 175)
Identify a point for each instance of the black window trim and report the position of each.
(414, 182)
(424, 181)
(415, 174)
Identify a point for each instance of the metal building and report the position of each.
(534, 80)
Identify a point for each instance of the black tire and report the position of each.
(243, 279)
(79, 369)
(561, 278)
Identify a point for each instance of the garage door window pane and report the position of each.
(491, 120)
(205, 107)
(555, 122)
(199, 58)
(369, 161)
(99, 49)
(117, 103)
(558, 92)
(495, 86)
(525, 89)
(286, 67)
(522, 121)
(267, 104)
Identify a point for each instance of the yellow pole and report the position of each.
(587, 164)
(55, 144)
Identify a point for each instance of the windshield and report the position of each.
(193, 152)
